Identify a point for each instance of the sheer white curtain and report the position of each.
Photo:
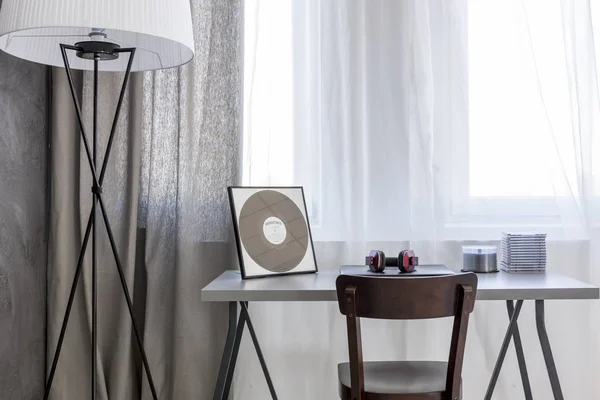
(339, 98)
(425, 125)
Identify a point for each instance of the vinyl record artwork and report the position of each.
(272, 231)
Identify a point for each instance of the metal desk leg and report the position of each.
(263, 364)
(520, 355)
(228, 361)
(236, 349)
(546, 350)
(503, 349)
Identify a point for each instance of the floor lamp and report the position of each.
(105, 35)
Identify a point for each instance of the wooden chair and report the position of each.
(404, 298)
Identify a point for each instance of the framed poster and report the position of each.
(272, 231)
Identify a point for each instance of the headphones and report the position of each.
(405, 262)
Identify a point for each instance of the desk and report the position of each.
(229, 287)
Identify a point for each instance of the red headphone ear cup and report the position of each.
(381, 264)
(405, 267)
(378, 264)
(401, 261)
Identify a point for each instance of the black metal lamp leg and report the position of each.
(136, 330)
(63, 328)
(546, 350)
(97, 195)
(520, 354)
(261, 359)
(507, 337)
(94, 258)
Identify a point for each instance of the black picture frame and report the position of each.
(238, 240)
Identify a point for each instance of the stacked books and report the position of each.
(523, 252)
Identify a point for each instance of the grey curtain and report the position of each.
(175, 152)
(23, 138)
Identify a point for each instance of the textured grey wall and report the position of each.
(23, 142)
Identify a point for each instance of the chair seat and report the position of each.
(392, 379)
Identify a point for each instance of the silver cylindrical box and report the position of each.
(480, 259)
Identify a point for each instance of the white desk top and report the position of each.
(321, 287)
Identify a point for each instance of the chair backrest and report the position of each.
(407, 298)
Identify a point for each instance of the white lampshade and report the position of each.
(160, 30)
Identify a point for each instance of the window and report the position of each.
(517, 158)
(512, 114)
(520, 120)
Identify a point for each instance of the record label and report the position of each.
(274, 230)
